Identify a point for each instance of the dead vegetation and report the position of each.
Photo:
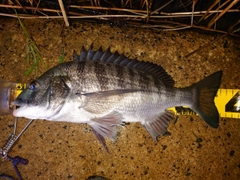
(222, 16)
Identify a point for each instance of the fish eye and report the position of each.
(33, 85)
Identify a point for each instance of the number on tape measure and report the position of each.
(234, 104)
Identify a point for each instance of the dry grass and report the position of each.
(209, 15)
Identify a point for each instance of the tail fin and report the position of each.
(205, 91)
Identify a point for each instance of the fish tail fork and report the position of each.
(204, 94)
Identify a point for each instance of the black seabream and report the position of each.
(105, 89)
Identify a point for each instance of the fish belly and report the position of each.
(72, 112)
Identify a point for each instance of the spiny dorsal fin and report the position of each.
(119, 59)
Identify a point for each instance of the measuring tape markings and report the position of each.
(228, 103)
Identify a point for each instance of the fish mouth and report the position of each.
(16, 104)
(17, 107)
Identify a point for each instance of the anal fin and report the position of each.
(101, 140)
(106, 127)
(157, 127)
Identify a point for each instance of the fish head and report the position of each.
(44, 97)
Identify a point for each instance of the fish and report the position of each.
(106, 90)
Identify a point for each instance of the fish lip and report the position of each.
(17, 107)
(16, 104)
(19, 102)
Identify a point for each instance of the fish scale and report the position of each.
(104, 89)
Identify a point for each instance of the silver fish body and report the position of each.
(105, 89)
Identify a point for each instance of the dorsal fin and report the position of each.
(119, 59)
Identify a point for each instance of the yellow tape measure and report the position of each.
(226, 100)
(228, 103)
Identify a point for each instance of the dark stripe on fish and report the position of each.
(80, 67)
(131, 76)
(120, 76)
(101, 74)
(158, 84)
(144, 82)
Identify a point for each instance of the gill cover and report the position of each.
(43, 97)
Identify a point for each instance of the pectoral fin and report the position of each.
(103, 101)
(106, 127)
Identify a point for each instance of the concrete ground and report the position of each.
(62, 150)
